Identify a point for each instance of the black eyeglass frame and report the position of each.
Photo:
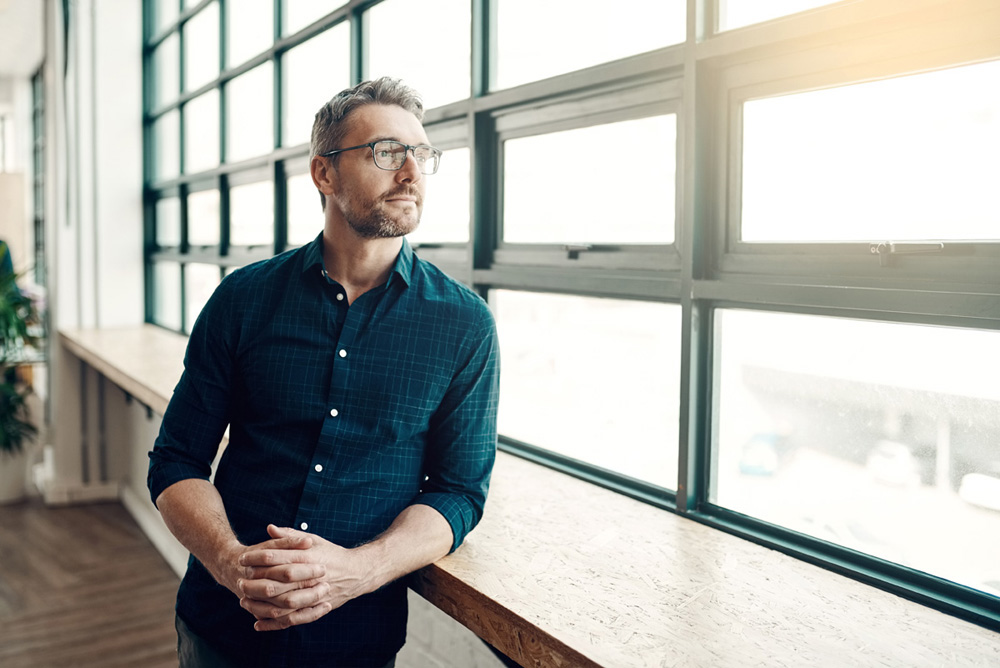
(406, 154)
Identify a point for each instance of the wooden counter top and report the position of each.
(563, 573)
(146, 361)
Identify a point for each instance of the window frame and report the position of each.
(704, 81)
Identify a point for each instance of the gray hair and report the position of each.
(330, 126)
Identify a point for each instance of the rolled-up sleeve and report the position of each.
(462, 439)
(199, 410)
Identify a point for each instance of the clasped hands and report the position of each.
(296, 577)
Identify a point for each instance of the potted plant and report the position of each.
(18, 324)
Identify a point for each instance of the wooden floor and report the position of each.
(82, 586)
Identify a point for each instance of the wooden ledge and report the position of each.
(563, 573)
(146, 361)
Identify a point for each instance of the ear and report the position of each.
(323, 174)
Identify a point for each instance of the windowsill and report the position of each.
(563, 573)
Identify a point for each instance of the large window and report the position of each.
(744, 257)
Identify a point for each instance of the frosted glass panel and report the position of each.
(250, 30)
(314, 72)
(201, 133)
(594, 379)
(739, 13)
(167, 294)
(250, 114)
(910, 158)
(201, 48)
(203, 218)
(542, 39)
(305, 215)
(251, 214)
(627, 196)
(439, 67)
(200, 281)
(876, 436)
(445, 218)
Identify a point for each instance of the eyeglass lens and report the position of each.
(392, 154)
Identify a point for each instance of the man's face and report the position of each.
(377, 203)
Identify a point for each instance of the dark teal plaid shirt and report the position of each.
(340, 417)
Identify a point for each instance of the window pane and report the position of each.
(251, 214)
(537, 40)
(203, 218)
(879, 437)
(739, 13)
(439, 68)
(200, 281)
(305, 215)
(168, 222)
(300, 13)
(166, 13)
(167, 65)
(250, 30)
(909, 158)
(201, 48)
(250, 114)
(201, 133)
(594, 379)
(313, 73)
(546, 202)
(446, 206)
(167, 294)
(167, 138)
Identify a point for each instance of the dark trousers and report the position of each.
(193, 651)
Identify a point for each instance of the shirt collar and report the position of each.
(313, 259)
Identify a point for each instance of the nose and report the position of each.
(410, 171)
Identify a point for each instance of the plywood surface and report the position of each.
(626, 584)
(145, 361)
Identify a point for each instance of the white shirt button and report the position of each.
(304, 526)
(318, 467)
(340, 296)
(334, 412)
(343, 353)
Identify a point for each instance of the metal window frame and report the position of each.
(704, 81)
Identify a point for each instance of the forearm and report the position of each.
(195, 514)
(418, 536)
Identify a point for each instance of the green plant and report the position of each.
(17, 315)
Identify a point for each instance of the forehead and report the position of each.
(380, 121)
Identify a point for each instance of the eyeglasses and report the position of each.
(391, 155)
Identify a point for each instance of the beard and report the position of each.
(370, 220)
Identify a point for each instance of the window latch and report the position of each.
(573, 250)
(886, 249)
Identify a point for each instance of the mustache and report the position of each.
(403, 192)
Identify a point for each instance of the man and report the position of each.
(360, 387)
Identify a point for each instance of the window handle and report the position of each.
(886, 249)
(573, 250)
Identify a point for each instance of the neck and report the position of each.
(356, 263)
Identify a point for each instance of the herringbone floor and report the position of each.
(82, 586)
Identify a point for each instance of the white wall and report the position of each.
(94, 214)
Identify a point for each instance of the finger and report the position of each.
(286, 573)
(299, 617)
(265, 589)
(282, 605)
(288, 533)
(271, 557)
(263, 609)
(298, 541)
